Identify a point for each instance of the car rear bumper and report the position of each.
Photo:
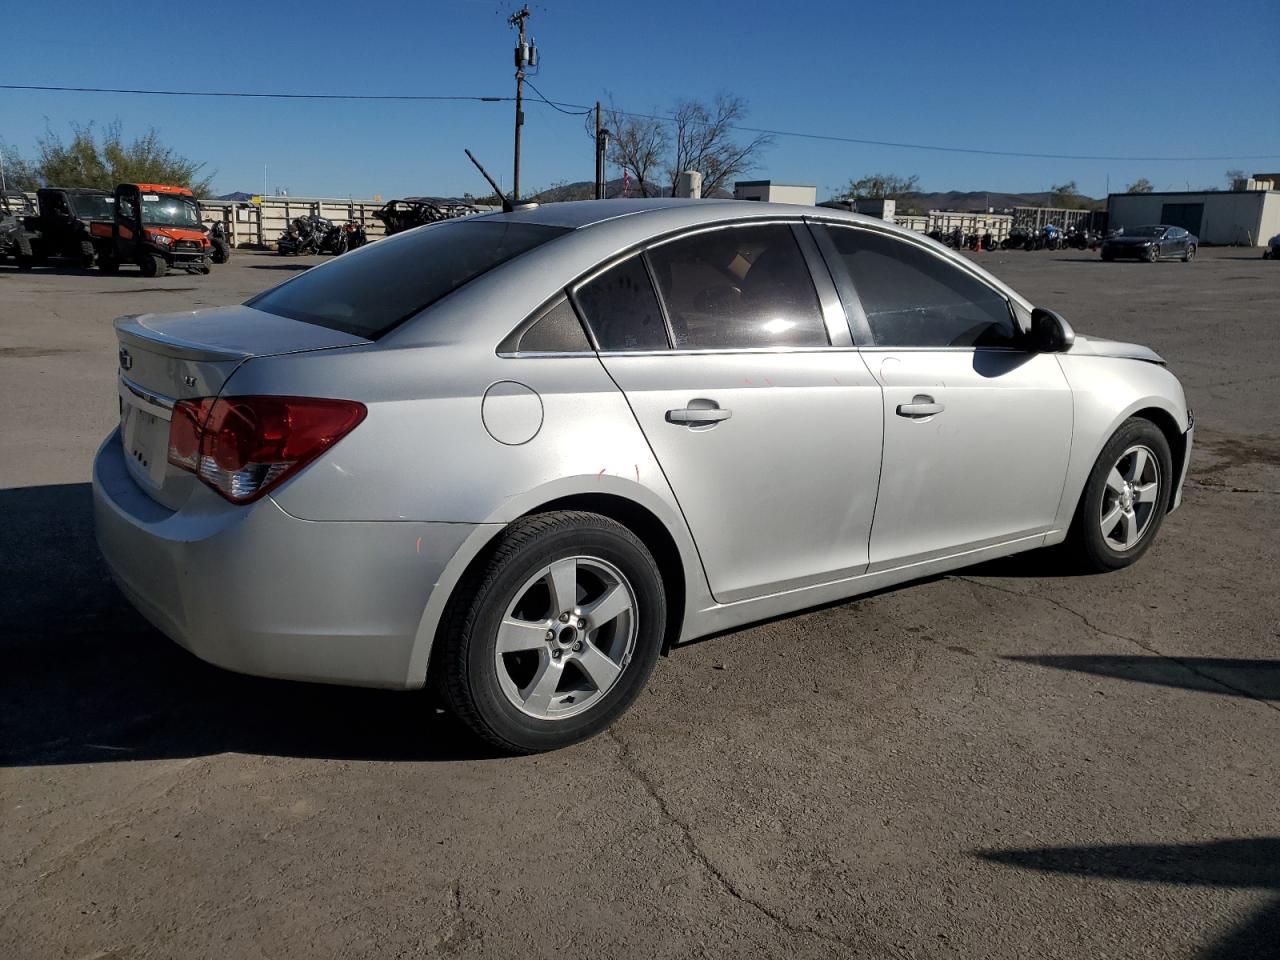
(258, 591)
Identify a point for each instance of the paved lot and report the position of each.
(1002, 763)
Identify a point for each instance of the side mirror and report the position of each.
(1050, 333)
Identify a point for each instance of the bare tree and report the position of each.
(637, 144)
(1235, 176)
(704, 140)
(1141, 185)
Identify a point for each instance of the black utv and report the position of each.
(15, 235)
(64, 228)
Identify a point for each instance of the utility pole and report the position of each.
(526, 56)
(602, 146)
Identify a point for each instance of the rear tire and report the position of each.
(153, 266)
(558, 679)
(1120, 513)
(87, 254)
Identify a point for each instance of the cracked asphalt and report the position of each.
(1008, 762)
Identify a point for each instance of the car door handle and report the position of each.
(699, 413)
(921, 405)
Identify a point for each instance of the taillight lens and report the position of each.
(242, 447)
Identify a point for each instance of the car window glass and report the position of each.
(913, 298)
(738, 288)
(126, 207)
(374, 289)
(556, 330)
(622, 309)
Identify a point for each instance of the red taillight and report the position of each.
(244, 446)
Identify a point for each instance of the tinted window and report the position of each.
(378, 287)
(913, 298)
(622, 309)
(738, 288)
(555, 330)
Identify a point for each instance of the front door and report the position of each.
(977, 430)
(769, 435)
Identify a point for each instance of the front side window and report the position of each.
(913, 298)
(378, 287)
(622, 310)
(738, 288)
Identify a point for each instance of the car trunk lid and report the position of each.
(165, 358)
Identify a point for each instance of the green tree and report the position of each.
(1067, 196)
(15, 171)
(1142, 185)
(93, 159)
(882, 186)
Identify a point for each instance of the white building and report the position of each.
(771, 192)
(1243, 217)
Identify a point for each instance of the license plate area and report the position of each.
(145, 436)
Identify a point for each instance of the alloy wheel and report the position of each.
(1131, 498)
(566, 637)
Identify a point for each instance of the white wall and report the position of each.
(1229, 217)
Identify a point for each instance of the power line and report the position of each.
(258, 96)
(578, 109)
(555, 106)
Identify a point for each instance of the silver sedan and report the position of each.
(522, 455)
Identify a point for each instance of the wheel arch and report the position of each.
(1177, 439)
(667, 539)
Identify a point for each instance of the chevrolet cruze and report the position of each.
(522, 455)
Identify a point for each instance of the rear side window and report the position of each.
(554, 329)
(622, 310)
(913, 298)
(377, 288)
(738, 288)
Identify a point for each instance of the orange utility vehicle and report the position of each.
(157, 227)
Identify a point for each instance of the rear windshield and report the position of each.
(375, 289)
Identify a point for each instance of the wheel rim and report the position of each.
(1130, 498)
(566, 637)
(1191, 253)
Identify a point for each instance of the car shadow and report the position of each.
(86, 679)
(1251, 863)
(280, 266)
(1230, 676)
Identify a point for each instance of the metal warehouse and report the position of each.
(1245, 217)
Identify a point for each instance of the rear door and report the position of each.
(977, 430)
(763, 417)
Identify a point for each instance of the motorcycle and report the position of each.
(216, 231)
(355, 234)
(313, 234)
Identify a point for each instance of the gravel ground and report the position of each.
(1001, 763)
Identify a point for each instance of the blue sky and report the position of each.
(1173, 79)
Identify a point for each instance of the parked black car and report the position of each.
(1151, 243)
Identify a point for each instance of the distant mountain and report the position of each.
(977, 201)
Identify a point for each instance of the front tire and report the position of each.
(1153, 254)
(221, 251)
(153, 265)
(1190, 254)
(1124, 500)
(549, 640)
